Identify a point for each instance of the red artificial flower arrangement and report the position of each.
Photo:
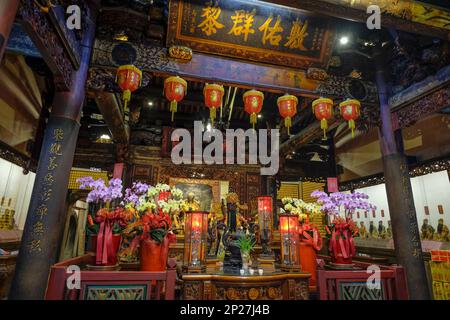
(341, 233)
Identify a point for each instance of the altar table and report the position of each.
(270, 286)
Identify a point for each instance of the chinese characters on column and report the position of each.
(42, 210)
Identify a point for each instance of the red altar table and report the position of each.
(109, 285)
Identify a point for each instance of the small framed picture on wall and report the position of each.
(441, 209)
(427, 210)
(382, 213)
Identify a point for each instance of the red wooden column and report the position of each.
(8, 11)
(46, 214)
(405, 229)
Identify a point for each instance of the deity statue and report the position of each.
(192, 203)
(177, 222)
(442, 233)
(389, 230)
(373, 232)
(233, 217)
(362, 230)
(427, 231)
(381, 230)
(215, 218)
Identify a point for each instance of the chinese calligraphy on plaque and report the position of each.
(251, 30)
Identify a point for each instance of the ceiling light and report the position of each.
(150, 103)
(105, 137)
(259, 116)
(344, 40)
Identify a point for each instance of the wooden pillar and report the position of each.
(405, 229)
(46, 214)
(271, 187)
(8, 11)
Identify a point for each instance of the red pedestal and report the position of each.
(154, 255)
(112, 258)
(308, 261)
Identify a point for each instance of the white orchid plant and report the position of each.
(301, 208)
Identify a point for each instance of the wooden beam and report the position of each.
(310, 133)
(107, 103)
(422, 18)
(208, 68)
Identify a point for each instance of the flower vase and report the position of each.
(111, 254)
(245, 260)
(341, 252)
(308, 261)
(154, 255)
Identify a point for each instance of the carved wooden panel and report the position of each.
(46, 39)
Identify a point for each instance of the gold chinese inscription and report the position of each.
(270, 33)
(38, 227)
(298, 35)
(242, 23)
(210, 15)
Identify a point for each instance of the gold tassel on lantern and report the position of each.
(352, 126)
(288, 124)
(253, 119)
(212, 115)
(173, 108)
(324, 127)
(126, 97)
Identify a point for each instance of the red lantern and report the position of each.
(323, 110)
(253, 102)
(350, 111)
(129, 79)
(175, 89)
(213, 99)
(287, 105)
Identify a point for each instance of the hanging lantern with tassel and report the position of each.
(287, 105)
(129, 79)
(323, 110)
(175, 89)
(350, 111)
(253, 102)
(213, 94)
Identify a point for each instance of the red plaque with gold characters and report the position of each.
(251, 30)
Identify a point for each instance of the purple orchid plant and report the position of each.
(100, 193)
(133, 195)
(335, 203)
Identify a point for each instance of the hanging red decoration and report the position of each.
(213, 94)
(175, 89)
(350, 111)
(323, 110)
(129, 79)
(253, 102)
(287, 105)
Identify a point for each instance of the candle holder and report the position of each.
(266, 259)
(195, 234)
(290, 243)
(265, 221)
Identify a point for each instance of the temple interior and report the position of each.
(224, 150)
